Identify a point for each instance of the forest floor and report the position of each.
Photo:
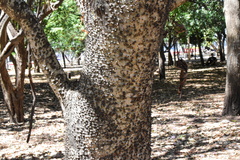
(190, 127)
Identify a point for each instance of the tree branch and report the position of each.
(177, 3)
(10, 46)
(19, 11)
(4, 19)
(46, 10)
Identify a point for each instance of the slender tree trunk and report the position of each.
(170, 58)
(14, 94)
(64, 61)
(232, 92)
(36, 66)
(14, 103)
(189, 49)
(174, 52)
(221, 47)
(161, 63)
(223, 43)
(200, 52)
(13, 60)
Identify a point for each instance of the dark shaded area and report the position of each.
(46, 99)
(200, 81)
(44, 156)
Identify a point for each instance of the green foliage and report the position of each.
(201, 17)
(64, 28)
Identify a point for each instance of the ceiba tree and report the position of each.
(108, 110)
(232, 91)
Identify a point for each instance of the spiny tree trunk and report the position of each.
(232, 91)
(121, 78)
(108, 111)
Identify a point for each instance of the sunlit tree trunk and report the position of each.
(108, 111)
(232, 91)
(117, 87)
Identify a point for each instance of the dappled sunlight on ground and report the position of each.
(47, 138)
(192, 127)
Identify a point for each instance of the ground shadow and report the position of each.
(45, 99)
(200, 81)
(201, 131)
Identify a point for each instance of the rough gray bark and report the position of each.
(108, 111)
(232, 92)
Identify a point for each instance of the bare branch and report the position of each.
(4, 19)
(19, 11)
(10, 46)
(46, 10)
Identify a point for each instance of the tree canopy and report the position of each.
(203, 18)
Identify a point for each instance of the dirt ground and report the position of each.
(190, 127)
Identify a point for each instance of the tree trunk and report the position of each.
(189, 49)
(161, 63)
(174, 51)
(108, 111)
(221, 46)
(36, 66)
(232, 91)
(13, 94)
(14, 103)
(200, 51)
(64, 61)
(170, 58)
(118, 71)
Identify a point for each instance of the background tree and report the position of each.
(193, 23)
(173, 31)
(108, 110)
(13, 93)
(232, 92)
(66, 35)
(14, 46)
(200, 19)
